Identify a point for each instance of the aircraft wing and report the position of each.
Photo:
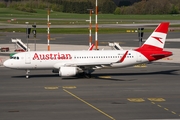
(91, 65)
(94, 65)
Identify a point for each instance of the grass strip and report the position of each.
(75, 30)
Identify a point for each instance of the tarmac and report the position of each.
(134, 93)
(175, 58)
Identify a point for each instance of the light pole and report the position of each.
(96, 33)
(27, 35)
(140, 35)
(48, 25)
(34, 32)
(90, 26)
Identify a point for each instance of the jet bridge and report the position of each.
(20, 44)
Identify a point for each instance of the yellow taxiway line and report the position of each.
(89, 104)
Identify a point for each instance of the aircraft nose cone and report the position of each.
(6, 63)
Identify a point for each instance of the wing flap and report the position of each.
(94, 65)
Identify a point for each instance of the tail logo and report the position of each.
(158, 39)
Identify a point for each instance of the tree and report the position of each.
(108, 7)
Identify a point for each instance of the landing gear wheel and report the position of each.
(27, 74)
(86, 75)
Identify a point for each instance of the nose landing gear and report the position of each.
(27, 74)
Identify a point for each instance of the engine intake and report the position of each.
(68, 71)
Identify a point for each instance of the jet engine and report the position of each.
(68, 71)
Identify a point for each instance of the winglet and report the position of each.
(91, 47)
(123, 57)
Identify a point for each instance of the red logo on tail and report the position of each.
(158, 39)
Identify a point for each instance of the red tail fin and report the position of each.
(157, 39)
(152, 49)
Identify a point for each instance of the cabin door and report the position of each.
(27, 58)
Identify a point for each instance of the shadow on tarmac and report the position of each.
(104, 76)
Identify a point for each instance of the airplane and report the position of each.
(71, 63)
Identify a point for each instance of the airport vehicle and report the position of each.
(71, 63)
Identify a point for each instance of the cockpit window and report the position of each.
(15, 57)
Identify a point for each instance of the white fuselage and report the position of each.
(57, 59)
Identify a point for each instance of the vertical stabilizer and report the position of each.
(157, 39)
(152, 49)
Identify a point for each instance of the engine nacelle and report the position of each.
(68, 71)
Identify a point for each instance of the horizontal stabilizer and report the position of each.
(158, 55)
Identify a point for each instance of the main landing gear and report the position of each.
(87, 75)
(27, 74)
(84, 75)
